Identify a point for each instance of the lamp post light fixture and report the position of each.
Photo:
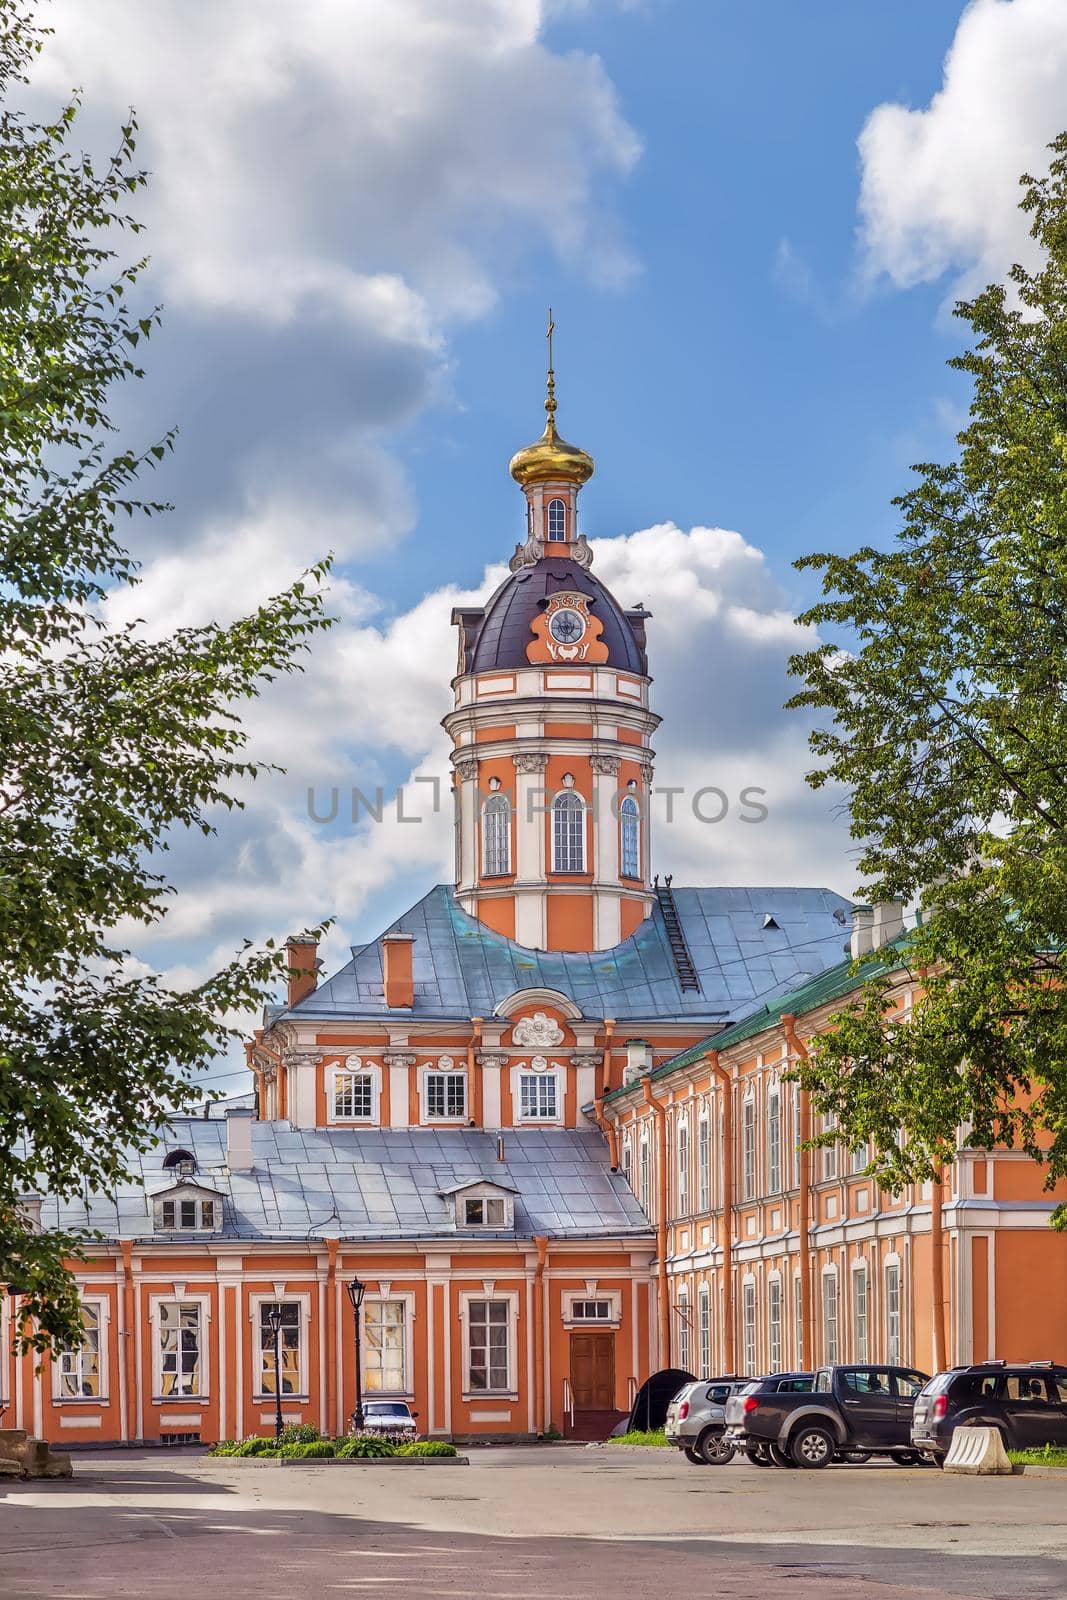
(274, 1319)
(356, 1291)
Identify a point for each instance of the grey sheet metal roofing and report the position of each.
(369, 1185)
(464, 969)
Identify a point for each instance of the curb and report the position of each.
(340, 1461)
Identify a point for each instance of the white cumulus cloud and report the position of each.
(940, 190)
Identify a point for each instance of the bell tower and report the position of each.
(551, 730)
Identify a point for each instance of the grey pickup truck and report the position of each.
(851, 1413)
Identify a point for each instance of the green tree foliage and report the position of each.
(108, 740)
(945, 672)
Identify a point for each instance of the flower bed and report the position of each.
(303, 1443)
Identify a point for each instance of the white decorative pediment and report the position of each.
(537, 1032)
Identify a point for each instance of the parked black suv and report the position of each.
(851, 1412)
(1027, 1401)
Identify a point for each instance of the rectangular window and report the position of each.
(289, 1344)
(683, 1169)
(590, 1310)
(703, 1165)
(829, 1319)
(860, 1158)
(892, 1314)
(446, 1094)
(774, 1143)
(384, 1342)
(487, 1322)
(568, 833)
(748, 1150)
(537, 1096)
(796, 1134)
(798, 1323)
(167, 1213)
(179, 1349)
(485, 1211)
(79, 1368)
(187, 1213)
(704, 1325)
(829, 1155)
(353, 1096)
(774, 1324)
(860, 1342)
(748, 1327)
(628, 1162)
(683, 1332)
(645, 1179)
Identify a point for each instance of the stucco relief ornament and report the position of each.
(582, 552)
(467, 768)
(606, 765)
(538, 1064)
(537, 1032)
(528, 554)
(530, 763)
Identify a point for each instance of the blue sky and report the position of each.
(751, 221)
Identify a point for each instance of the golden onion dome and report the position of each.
(551, 456)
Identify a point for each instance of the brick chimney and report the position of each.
(397, 962)
(303, 968)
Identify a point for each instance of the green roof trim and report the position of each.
(829, 985)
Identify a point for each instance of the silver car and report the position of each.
(393, 1419)
(696, 1420)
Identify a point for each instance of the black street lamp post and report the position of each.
(356, 1291)
(274, 1318)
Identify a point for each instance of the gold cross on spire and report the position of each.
(550, 391)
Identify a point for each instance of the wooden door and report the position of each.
(593, 1371)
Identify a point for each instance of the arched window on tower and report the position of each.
(568, 832)
(557, 520)
(630, 822)
(496, 836)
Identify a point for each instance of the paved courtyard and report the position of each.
(552, 1523)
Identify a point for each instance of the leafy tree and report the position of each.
(107, 740)
(946, 674)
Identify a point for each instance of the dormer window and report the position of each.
(557, 521)
(191, 1210)
(183, 1162)
(485, 1211)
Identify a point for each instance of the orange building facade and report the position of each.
(542, 1117)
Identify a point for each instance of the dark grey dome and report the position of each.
(501, 636)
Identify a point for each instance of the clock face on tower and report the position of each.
(566, 626)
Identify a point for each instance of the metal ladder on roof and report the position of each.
(683, 961)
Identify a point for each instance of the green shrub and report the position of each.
(256, 1446)
(225, 1447)
(656, 1438)
(300, 1433)
(311, 1449)
(427, 1447)
(1048, 1455)
(366, 1444)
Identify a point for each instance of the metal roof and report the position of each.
(830, 985)
(463, 969)
(501, 638)
(369, 1184)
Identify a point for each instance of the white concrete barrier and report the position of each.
(977, 1450)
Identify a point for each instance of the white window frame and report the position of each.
(703, 1163)
(749, 1353)
(202, 1300)
(629, 837)
(566, 804)
(573, 1297)
(552, 536)
(484, 1191)
(644, 1174)
(861, 1327)
(101, 1304)
(774, 1140)
(831, 1350)
(830, 1163)
(682, 1172)
(366, 1069)
(748, 1148)
(628, 1160)
(496, 840)
(511, 1298)
(798, 1321)
(187, 1193)
(554, 1075)
(775, 1342)
(893, 1313)
(407, 1299)
(682, 1313)
(256, 1302)
(704, 1329)
(443, 1067)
